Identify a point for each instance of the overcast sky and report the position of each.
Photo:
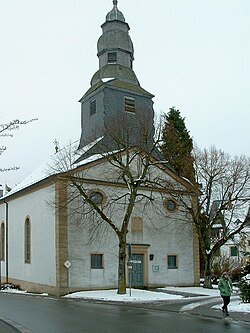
(192, 54)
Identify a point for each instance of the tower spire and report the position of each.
(115, 91)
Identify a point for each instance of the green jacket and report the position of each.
(225, 286)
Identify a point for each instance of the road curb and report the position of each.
(14, 327)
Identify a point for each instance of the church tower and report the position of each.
(115, 99)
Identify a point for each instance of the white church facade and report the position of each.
(53, 241)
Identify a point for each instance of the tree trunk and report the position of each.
(122, 267)
(207, 272)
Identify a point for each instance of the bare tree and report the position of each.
(135, 172)
(6, 130)
(225, 195)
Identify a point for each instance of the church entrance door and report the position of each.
(137, 276)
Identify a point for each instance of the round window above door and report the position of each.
(97, 197)
(170, 205)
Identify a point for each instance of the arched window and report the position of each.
(2, 248)
(27, 239)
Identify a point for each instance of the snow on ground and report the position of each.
(14, 291)
(193, 290)
(137, 295)
(235, 306)
(18, 291)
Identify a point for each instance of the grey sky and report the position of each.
(192, 54)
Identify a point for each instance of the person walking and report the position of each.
(226, 288)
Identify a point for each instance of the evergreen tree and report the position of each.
(177, 144)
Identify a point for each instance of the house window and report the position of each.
(112, 58)
(172, 261)
(27, 238)
(96, 261)
(2, 249)
(233, 251)
(129, 104)
(92, 107)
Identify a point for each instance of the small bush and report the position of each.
(224, 263)
(244, 286)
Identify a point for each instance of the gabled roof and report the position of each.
(233, 217)
(46, 170)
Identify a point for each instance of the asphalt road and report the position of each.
(53, 315)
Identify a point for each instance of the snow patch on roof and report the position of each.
(37, 175)
(106, 79)
(49, 168)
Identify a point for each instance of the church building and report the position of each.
(55, 241)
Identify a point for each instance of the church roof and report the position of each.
(119, 84)
(129, 86)
(49, 168)
(117, 71)
(86, 155)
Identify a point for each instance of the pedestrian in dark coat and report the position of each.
(226, 288)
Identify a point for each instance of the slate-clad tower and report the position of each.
(115, 100)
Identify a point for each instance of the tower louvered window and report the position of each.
(92, 107)
(129, 104)
(112, 58)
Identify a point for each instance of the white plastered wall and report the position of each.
(34, 205)
(167, 233)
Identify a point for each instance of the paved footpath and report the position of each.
(198, 305)
(206, 309)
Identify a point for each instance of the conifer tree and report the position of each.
(177, 144)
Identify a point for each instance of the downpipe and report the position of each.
(7, 241)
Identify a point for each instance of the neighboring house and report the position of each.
(238, 248)
(46, 247)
